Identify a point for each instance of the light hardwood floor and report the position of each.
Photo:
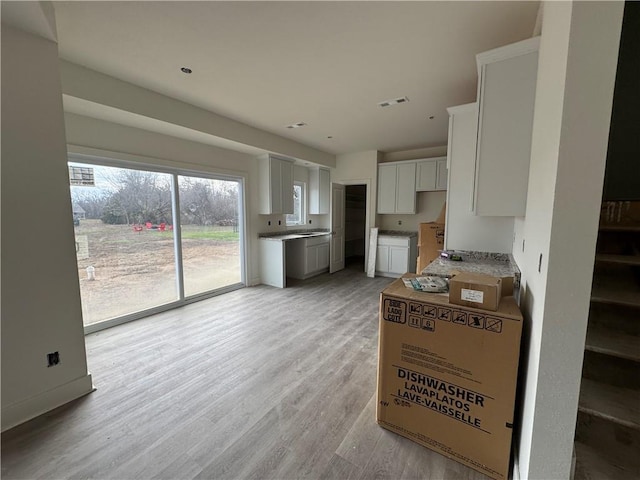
(260, 383)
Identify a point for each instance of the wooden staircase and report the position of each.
(607, 441)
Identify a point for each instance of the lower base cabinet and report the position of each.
(395, 256)
(307, 257)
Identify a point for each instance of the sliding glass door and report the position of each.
(148, 240)
(209, 233)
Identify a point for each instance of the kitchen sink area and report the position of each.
(299, 254)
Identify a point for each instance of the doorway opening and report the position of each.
(355, 225)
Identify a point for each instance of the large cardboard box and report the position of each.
(430, 241)
(475, 290)
(447, 375)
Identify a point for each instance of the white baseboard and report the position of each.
(20, 412)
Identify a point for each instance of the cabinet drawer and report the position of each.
(310, 242)
(393, 241)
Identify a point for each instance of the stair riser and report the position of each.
(613, 317)
(617, 443)
(612, 370)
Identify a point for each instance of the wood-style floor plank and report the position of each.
(259, 383)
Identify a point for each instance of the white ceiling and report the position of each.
(271, 64)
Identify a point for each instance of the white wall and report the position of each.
(360, 168)
(41, 310)
(92, 136)
(464, 230)
(576, 73)
(102, 96)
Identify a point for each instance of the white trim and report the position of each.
(513, 50)
(467, 107)
(25, 410)
(367, 219)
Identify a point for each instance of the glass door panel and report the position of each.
(124, 240)
(210, 233)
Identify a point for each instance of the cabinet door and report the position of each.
(398, 260)
(382, 259)
(406, 188)
(323, 256)
(319, 191)
(387, 176)
(275, 185)
(311, 259)
(441, 184)
(286, 186)
(507, 88)
(426, 177)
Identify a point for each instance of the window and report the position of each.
(297, 217)
(148, 240)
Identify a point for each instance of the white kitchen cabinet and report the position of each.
(307, 257)
(395, 255)
(441, 182)
(431, 174)
(506, 96)
(276, 185)
(397, 187)
(319, 191)
(464, 230)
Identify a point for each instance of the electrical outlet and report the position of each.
(399, 222)
(269, 223)
(53, 359)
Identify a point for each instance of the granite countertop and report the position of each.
(293, 234)
(397, 233)
(495, 264)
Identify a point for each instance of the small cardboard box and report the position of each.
(475, 290)
(430, 241)
(447, 375)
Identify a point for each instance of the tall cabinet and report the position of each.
(506, 97)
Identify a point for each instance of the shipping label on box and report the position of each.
(447, 375)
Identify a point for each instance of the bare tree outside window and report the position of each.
(297, 217)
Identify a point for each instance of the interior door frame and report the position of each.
(367, 224)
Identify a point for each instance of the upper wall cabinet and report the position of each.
(431, 174)
(276, 185)
(397, 187)
(319, 191)
(506, 96)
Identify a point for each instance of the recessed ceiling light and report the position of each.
(393, 101)
(186, 70)
(297, 125)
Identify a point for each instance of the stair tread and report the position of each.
(623, 259)
(611, 342)
(616, 404)
(619, 228)
(592, 465)
(615, 292)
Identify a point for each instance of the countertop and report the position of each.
(495, 264)
(397, 233)
(293, 235)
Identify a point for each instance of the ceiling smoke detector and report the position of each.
(297, 125)
(395, 101)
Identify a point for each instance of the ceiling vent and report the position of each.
(395, 101)
(297, 125)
